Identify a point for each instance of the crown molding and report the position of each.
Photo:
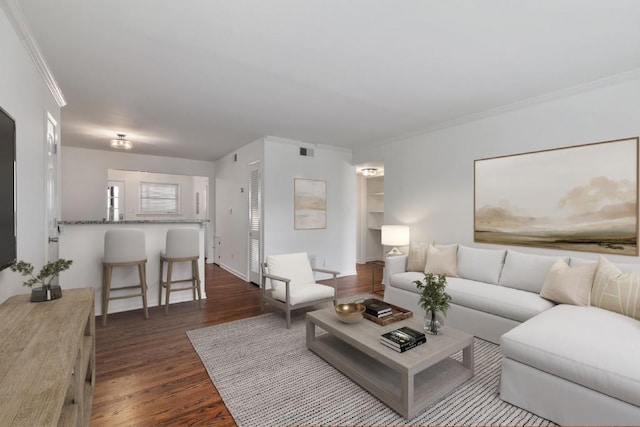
(518, 105)
(19, 23)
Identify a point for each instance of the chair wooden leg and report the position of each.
(142, 267)
(168, 286)
(193, 279)
(160, 283)
(196, 271)
(106, 291)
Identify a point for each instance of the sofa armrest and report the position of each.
(395, 264)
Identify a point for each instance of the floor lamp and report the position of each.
(395, 235)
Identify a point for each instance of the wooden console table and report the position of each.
(47, 360)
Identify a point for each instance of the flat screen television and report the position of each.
(7, 190)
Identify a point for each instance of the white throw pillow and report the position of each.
(616, 291)
(481, 265)
(569, 285)
(442, 261)
(417, 258)
(526, 271)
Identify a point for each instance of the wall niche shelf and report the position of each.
(375, 203)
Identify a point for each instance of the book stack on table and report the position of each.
(403, 339)
(377, 308)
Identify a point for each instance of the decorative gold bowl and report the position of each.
(350, 313)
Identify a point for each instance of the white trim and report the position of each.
(541, 99)
(19, 23)
(233, 271)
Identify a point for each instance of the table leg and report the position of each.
(311, 332)
(467, 357)
(407, 395)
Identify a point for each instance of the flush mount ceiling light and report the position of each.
(121, 143)
(369, 172)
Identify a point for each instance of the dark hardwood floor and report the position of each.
(147, 373)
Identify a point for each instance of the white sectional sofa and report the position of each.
(493, 294)
(574, 365)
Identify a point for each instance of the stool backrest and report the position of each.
(124, 245)
(182, 243)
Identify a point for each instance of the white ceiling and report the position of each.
(199, 78)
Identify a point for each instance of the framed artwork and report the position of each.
(309, 204)
(580, 198)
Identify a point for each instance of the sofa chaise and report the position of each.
(574, 364)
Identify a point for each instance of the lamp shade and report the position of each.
(395, 235)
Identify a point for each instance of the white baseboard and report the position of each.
(234, 272)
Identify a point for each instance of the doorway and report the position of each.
(52, 189)
(370, 212)
(255, 223)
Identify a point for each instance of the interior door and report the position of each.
(52, 189)
(255, 223)
(115, 200)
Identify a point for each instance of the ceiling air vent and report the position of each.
(306, 152)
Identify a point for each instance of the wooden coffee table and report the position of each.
(407, 382)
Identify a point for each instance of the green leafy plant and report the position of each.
(432, 293)
(48, 272)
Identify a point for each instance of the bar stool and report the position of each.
(123, 248)
(182, 245)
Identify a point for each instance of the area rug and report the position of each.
(267, 377)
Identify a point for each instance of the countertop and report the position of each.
(141, 221)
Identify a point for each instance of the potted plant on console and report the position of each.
(49, 271)
(434, 300)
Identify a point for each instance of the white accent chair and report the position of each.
(181, 246)
(293, 284)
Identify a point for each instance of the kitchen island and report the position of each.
(83, 242)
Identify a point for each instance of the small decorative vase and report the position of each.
(433, 322)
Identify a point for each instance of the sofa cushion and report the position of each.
(442, 261)
(616, 291)
(624, 267)
(595, 348)
(569, 285)
(482, 265)
(405, 280)
(577, 261)
(500, 301)
(417, 258)
(628, 268)
(526, 271)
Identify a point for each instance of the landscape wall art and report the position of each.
(580, 198)
(310, 204)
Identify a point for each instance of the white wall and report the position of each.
(429, 178)
(24, 95)
(85, 172)
(232, 201)
(334, 246)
